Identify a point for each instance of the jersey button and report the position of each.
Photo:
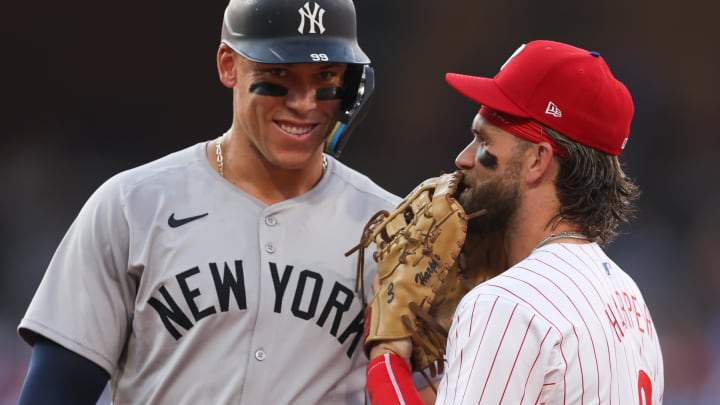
(270, 221)
(260, 355)
(269, 247)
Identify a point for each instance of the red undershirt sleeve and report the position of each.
(389, 382)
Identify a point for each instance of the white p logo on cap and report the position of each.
(517, 51)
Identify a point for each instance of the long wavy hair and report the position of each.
(593, 190)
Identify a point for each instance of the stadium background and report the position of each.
(90, 88)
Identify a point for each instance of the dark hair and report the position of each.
(593, 190)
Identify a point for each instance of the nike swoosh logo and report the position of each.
(175, 222)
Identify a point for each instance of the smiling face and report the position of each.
(285, 130)
(492, 167)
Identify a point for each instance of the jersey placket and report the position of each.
(271, 234)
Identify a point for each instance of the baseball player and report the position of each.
(564, 324)
(216, 274)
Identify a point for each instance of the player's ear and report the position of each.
(540, 157)
(226, 66)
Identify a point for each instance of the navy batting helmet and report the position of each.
(302, 31)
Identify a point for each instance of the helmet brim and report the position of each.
(300, 50)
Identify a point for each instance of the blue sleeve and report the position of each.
(57, 375)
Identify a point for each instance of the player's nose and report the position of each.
(302, 97)
(466, 159)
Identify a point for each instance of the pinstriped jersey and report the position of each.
(188, 290)
(564, 326)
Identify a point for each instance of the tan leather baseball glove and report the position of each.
(426, 263)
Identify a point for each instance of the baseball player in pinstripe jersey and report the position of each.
(216, 274)
(564, 324)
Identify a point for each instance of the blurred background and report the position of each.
(91, 88)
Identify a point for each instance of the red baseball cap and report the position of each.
(568, 89)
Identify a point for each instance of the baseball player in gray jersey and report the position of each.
(217, 274)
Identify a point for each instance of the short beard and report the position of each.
(500, 195)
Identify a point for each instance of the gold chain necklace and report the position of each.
(219, 153)
(561, 235)
(221, 164)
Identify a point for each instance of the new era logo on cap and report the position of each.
(543, 75)
(553, 110)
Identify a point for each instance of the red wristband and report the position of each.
(389, 382)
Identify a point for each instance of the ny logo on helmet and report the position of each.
(315, 18)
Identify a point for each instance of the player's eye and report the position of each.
(277, 72)
(328, 75)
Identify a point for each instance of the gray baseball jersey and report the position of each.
(187, 290)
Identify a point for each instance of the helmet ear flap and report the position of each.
(359, 87)
(351, 84)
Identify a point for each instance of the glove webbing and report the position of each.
(365, 240)
(369, 234)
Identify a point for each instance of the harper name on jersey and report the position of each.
(628, 312)
(564, 325)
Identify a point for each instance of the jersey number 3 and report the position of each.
(644, 389)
